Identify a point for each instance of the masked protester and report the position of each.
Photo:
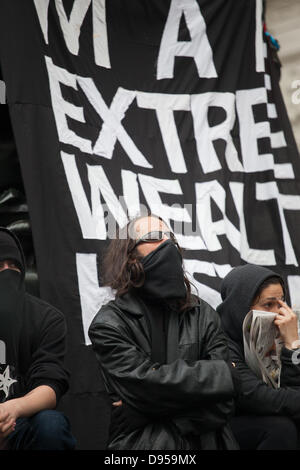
(32, 347)
(161, 350)
(267, 417)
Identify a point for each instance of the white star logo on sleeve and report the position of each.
(6, 381)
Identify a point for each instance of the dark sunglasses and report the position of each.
(152, 237)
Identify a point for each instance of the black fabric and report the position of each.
(158, 317)
(163, 273)
(289, 376)
(235, 375)
(10, 248)
(12, 296)
(10, 252)
(265, 433)
(180, 405)
(238, 289)
(173, 334)
(33, 334)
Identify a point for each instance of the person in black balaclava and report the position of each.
(161, 351)
(267, 417)
(32, 374)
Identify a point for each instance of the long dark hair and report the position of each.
(122, 269)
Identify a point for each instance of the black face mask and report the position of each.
(164, 278)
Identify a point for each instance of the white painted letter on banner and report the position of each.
(251, 131)
(92, 296)
(112, 129)
(205, 134)
(198, 47)
(210, 229)
(165, 104)
(92, 219)
(251, 255)
(269, 190)
(71, 28)
(63, 108)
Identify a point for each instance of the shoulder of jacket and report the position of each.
(205, 313)
(109, 314)
(203, 307)
(42, 307)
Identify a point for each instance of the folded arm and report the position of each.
(154, 388)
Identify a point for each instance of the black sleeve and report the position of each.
(47, 365)
(290, 368)
(212, 415)
(256, 397)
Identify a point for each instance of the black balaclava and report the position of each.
(164, 277)
(164, 282)
(12, 298)
(238, 290)
(10, 248)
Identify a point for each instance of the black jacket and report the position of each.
(32, 332)
(182, 404)
(256, 397)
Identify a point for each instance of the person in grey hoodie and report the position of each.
(266, 418)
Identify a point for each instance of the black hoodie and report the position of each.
(238, 290)
(32, 332)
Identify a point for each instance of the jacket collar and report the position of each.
(134, 305)
(131, 304)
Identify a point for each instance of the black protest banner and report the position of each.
(172, 105)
